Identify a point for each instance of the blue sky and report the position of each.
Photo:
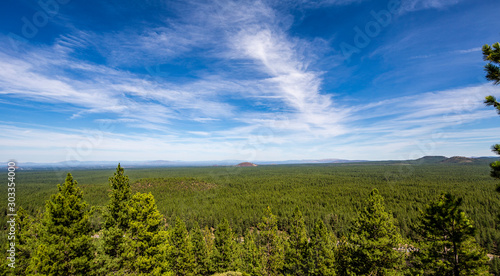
(249, 80)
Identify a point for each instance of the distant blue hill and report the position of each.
(74, 164)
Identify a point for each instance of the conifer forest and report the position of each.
(332, 219)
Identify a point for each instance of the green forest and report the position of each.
(386, 218)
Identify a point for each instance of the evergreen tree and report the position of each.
(253, 261)
(65, 244)
(119, 198)
(5, 269)
(180, 256)
(492, 54)
(200, 252)
(208, 235)
(449, 246)
(224, 257)
(495, 266)
(272, 245)
(296, 251)
(116, 222)
(27, 229)
(375, 240)
(344, 261)
(321, 248)
(145, 240)
(209, 239)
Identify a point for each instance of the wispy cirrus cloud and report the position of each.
(454, 106)
(51, 75)
(259, 87)
(407, 128)
(416, 5)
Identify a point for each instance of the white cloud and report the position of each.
(433, 120)
(471, 50)
(298, 120)
(102, 90)
(415, 5)
(289, 79)
(410, 132)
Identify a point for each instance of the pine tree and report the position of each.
(200, 252)
(449, 246)
(253, 261)
(118, 200)
(145, 240)
(321, 257)
(344, 253)
(492, 54)
(296, 251)
(224, 257)
(272, 245)
(65, 244)
(180, 256)
(495, 266)
(5, 269)
(116, 222)
(26, 242)
(27, 229)
(375, 240)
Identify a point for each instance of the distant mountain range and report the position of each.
(453, 160)
(73, 164)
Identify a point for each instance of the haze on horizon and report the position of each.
(238, 80)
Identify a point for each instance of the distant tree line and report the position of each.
(135, 240)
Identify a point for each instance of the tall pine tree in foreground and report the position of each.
(320, 253)
(119, 198)
(492, 54)
(272, 245)
(27, 229)
(146, 240)
(344, 253)
(200, 252)
(253, 261)
(180, 254)
(448, 246)
(65, 246)
(134, 240)
(296, 251)
(116, 223)
(225, 257)
(375, 240)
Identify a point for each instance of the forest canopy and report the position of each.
(128, 233)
